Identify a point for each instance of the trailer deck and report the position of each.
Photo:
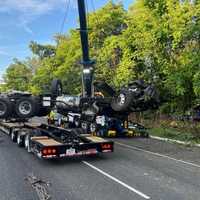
(52, 142)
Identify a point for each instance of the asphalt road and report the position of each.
(138, 169)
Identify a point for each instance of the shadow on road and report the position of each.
(72, 161)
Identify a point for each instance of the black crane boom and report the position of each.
(87, 76)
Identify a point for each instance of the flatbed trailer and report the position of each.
(49, 142)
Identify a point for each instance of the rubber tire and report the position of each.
(86, 128)
(26, 139)
(20, 140)
(56, 88)
(27, 146)
(7, 106)
(13, 136)
(90, 128)
(104, 88)
(77, 122)
(119, 107)
(44, 111)
(34, 107)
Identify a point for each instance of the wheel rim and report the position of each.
(25, 107)
(2, 108)
(92, 128)
(121, 99)
(84, 126)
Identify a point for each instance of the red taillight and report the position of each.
(49, 151)
(106, 146)
(44, 151)
(54, 151)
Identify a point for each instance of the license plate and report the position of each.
(70, 152)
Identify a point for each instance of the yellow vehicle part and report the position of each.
(112, 133)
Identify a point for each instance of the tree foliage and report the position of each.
(155, 40)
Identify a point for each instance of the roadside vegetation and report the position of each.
(188, 132)
(154, 40)
(165, 126)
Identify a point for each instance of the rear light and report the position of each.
(54, 151)
(49, 151)
(106, 146)
(44, 151)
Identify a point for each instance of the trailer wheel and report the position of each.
(26, 107)
(27, 142)
(13, 136)
(56, 88)
(5, 108)
(20, 140)
(122, 102)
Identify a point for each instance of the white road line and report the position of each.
(117, 180)
(158, 154)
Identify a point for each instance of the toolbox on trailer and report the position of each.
(52, 142)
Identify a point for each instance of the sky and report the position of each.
(22, 21)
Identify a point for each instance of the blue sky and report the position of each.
(24, 20)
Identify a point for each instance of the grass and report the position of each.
(172, 133)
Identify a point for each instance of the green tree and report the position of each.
(42, 51)
(18, 76)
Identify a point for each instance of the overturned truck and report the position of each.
(23, 105)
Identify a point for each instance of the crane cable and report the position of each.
(65, 15)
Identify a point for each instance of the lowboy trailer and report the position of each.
(49, 142)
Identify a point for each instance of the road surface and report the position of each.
(139, 169)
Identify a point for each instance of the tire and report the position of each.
(26, 107)
(20, 140)
(13, 136)
(5, 108)
(85, 126)
(122, 102)
(93, 128)
(56, 88)
(77, 122)
(44, 111)
(105, 88)
(27, 142)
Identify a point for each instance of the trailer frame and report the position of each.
(49, 142)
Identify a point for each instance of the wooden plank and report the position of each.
(11, 125)
(96, 139)
(46, 141)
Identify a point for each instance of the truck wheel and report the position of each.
(85, 126)
(13, 136)
(122, 102)
(56, 88)
(44, 111)
(5, 108)
(77, 121)
(20, 140)
(26, 107)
